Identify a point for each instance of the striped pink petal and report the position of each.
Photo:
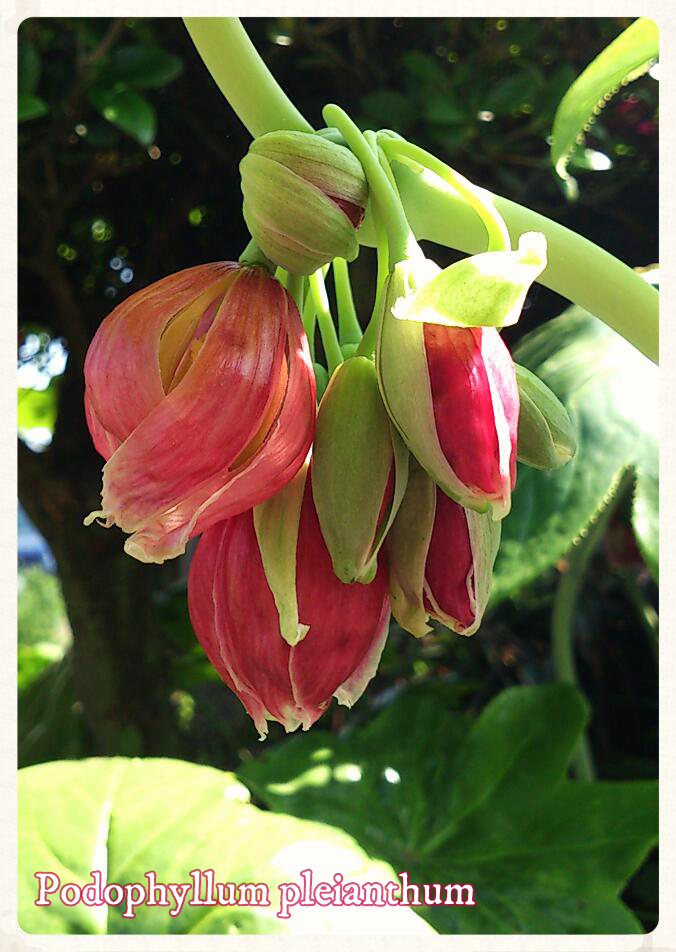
(235, 618)
(476, 406)
(230, 425)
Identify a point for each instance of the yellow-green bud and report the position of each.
(304, 198)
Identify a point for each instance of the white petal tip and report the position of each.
(100, 516)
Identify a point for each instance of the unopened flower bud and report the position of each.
(546, 438)
(452, 393)
(359, 470)
(441, 558)
(304, 198)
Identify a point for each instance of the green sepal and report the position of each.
(401, 462)
(351, 463)
(276, 521)
(546, 438)
(484, 290)
(407, 543)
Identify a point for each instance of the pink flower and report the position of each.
(446, 378)
(284, 633)
(200, 394)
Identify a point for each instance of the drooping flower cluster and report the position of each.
(316, 524)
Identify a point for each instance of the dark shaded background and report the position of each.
(101, 215)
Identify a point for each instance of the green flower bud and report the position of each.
(304, 198)
(546, 438)
(359, 470)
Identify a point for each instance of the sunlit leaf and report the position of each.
(37, 408)
(626, 58)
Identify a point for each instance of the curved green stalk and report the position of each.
(334, 356)
(242, 76)
(399, 235)
(296, 286)
(498, 236)
(577, 270)
(563, 611)
(349, 329)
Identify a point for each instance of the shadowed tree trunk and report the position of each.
(120, 659)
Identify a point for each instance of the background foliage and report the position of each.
(128, 171)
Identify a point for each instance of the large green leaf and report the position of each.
(125, 817)
(611, 393)
(626, 58)
(489, 805)
(128, 110)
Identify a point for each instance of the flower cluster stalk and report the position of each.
(349, 330)
(578, 269)
(334, 355)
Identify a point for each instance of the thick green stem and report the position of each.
(349, 329)
(563, 612)
(295, 286)
(399, 235)
(310, 322)
(252, 254)
(577, 269)
(498, 236)
(242, 76)
(334, 356)
(370, 338)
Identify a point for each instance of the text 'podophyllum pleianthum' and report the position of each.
(282, 631)
(200, 394)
